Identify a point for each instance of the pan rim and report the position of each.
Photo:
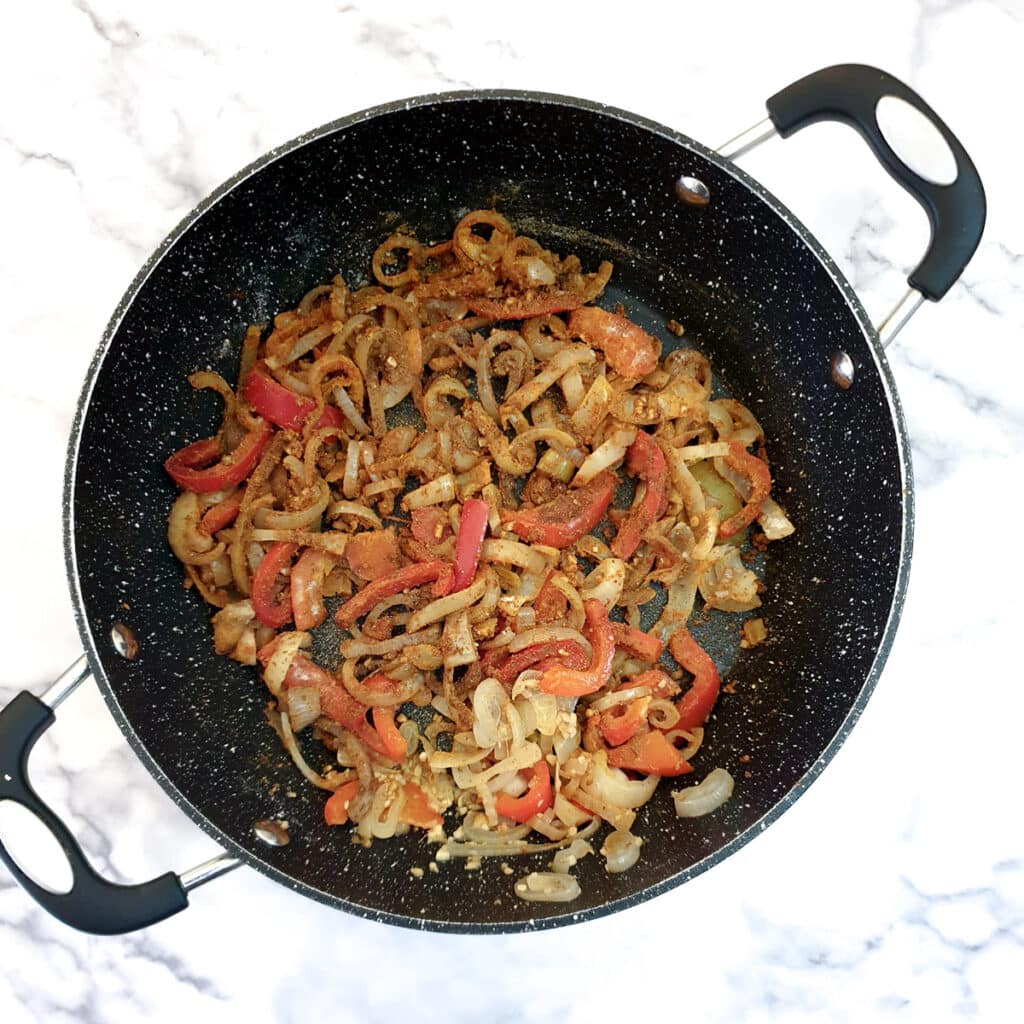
(342, 124)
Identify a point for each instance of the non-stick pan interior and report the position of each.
(754, 294)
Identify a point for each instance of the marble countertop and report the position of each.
(894, 889)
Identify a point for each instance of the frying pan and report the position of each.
(693, 238)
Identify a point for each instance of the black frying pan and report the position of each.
(756, 292)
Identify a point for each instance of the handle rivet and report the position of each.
(692, 191)
(124, 641)
(271, 832)
(841, 370)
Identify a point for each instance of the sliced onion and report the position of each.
(713, 450)
(288, 739)
(457, 641)
(378, 698)
(606, 455)
(547, 887)
(434, 492)
(728, 584)
(303, 706)
(609, 700)
(301, 519)
(445, 606)
(707, 796)
(489, 700)
(621, 850)
(605, 583)
(354, 509)
(190, 545)
(288, 645)
(511, 552)
(563, 361)
(361, 649)
(613, 786)
(549, 634)
(774, 521)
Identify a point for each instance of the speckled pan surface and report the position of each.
(756, 293)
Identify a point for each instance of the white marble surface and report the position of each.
(894, 890)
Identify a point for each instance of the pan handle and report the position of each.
(92, 904)
(956, 211)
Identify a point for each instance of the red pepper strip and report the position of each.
(696, 704)
(536, 800)
(629, 349)
(336, 808)
(341, 707)
(523, 309)
(307, 587)
(191, 470)
(268, 611)
(224, 513)
(276, 403)
(567, 682)
(472, 530)
(646, 461)
(662, 685)
(624, 721)
(550, 604)
(650, 753)
(563, 520)
(410, 576)
(750, 466)
(566, 652)
(415, 809)
(393, 740)
(445, 582)
(637, 643)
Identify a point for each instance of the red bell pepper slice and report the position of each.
(393, 740)
(429, 525)
(276, 403)
(650, 753)
(662, 685)
(514, 308)
(550, 604)
(624, 721)
(410, 576)
(629, 349)
(567, 682)
(190, 467)
(415, 809)
(750, 466)
(307, 587)
(637, 643)
(696, 704)
(223, 514)
(336, 808)
(646, 461)
(472, 530)
(563, 520)
(565, 652)
(536, 800)
(268, 611)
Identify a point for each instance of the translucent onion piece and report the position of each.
(288, 739)
(303, 706)
(547, 887)
(728, 584)
(707, 796)
(568, 857)
(354, 509)
(489, 700)
(613, 786)
(563, 361)
(621, 850)
(445, 606)
(457, 641)
(434, 492)
(606, 455)
(511, 552)
(605, 583)
(301, 519)
(774, 521)
(288, 645)
(609, 700)
(362, 649)
(547, 634)
(191, 546)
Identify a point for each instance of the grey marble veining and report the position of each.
(894, 889)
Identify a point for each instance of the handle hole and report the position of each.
(34, 848)
(915, 140)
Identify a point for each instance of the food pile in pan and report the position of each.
(489, 479)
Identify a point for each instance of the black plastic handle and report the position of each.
(956, 212)
(93, 904)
